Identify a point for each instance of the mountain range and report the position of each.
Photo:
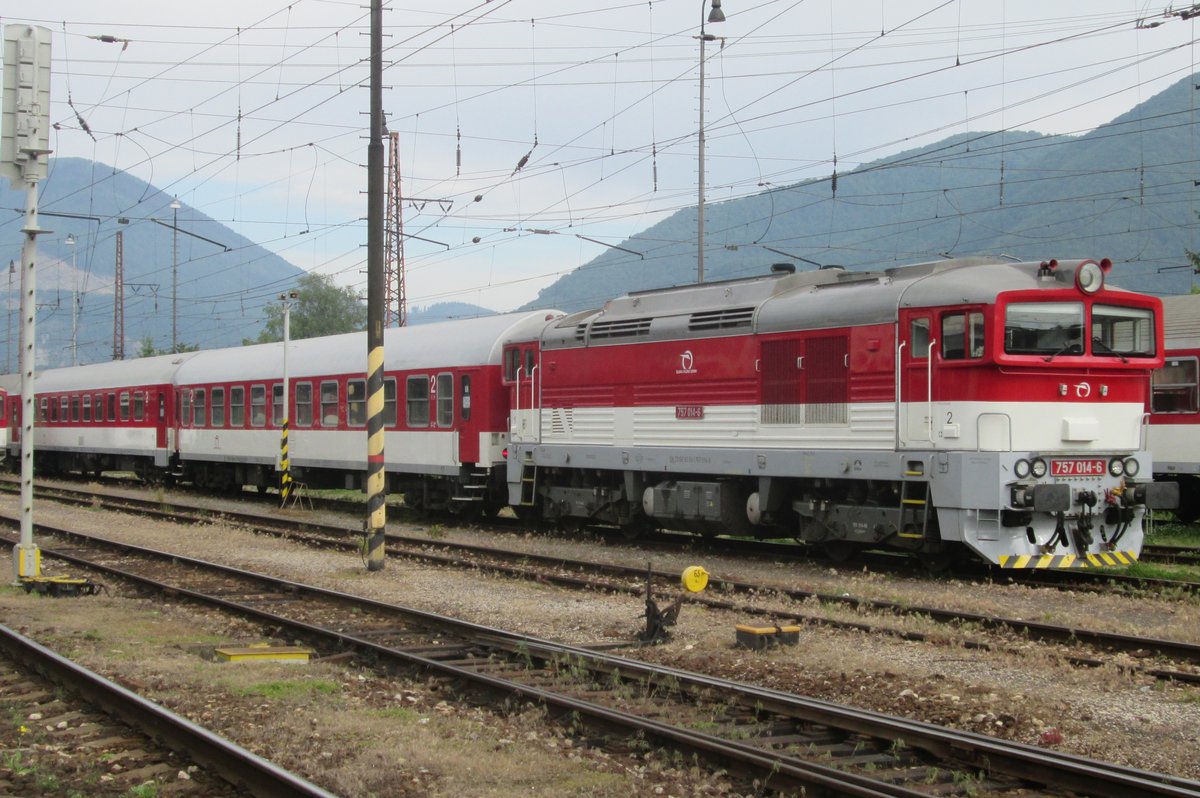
(1126, 190)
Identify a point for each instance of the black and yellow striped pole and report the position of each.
(285, 470)
(285, 467)
(376, 479)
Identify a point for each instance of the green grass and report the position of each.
(1172, 534)
(1149, 570)
(290, 689)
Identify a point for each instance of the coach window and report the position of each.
(124, 405)
(329, 404)
(54, 410)
(139, 405)
(74, 408)
(258, 405)
(918, 339)
(1175, 388)
(389, 402)
(445, 400)
(87, 408)
(418, 401)
(356, 403)
(218, 407)
(112, 407)
(43, 411)
(466, 397)
(185, 407)
(277, 403)
(99, 405)
(199, 409)
(237, 407)
(304, 414)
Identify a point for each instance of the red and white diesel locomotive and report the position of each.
(1175, 404)
(963, 406)
(969, 404)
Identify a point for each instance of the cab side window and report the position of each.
(918, 337)
(962, 336)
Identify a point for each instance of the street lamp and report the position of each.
(715, 15)
(285, 476)
(70, 242)
(175, 206)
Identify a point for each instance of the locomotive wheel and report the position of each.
(839, 550)
(940, 562)
(1189, 500)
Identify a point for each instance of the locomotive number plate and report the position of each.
(1090, 467)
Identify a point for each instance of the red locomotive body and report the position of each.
(974, 404)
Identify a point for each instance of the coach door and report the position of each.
(522, 379)
(14, 419)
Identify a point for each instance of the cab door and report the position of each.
(521, 362)
(916, 355)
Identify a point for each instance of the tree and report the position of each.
(146, 348)
(321, 309)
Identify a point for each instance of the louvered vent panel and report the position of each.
(620, 328)
(724, 319)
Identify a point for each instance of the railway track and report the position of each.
(1173, 660)
(74, 714)
(783, 741)
(892, 562)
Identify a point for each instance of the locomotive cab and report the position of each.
(1039, 392)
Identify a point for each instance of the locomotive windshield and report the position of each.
(1058, 328)
(1119, 331)
(1044, 328)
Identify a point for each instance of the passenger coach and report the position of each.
(104, 417)
(445, 412)
(1175, 404)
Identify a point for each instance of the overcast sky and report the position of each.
(579, 118)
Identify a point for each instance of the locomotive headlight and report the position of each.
(1038, 467)
(1132, 467)
(1116, 466)
(1089, 277)
(1021, 469)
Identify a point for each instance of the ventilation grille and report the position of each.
(725, 319)
(620, 328)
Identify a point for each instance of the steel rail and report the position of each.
(236, 765)
(1063, 770)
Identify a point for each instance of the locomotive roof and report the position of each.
(465, 342)
(829, 297)
(1181, 321)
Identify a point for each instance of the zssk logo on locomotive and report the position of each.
(686, 361)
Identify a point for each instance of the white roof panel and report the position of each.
(465, 342)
